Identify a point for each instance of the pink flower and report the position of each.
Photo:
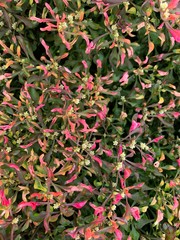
(136, 213)
(79, 205)
(134, 125)
(124, 79)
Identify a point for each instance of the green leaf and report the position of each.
(39, 186)
(134, 234)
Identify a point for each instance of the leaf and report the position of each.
(134, 234)
(151, 47)
(38, 185)
(142, 222)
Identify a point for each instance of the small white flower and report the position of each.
(115, 142)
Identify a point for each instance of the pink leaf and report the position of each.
(177, 94)
(71, 179)
(12, 165)
(173, 4)
(79, 205)
(134, 125)
(176, 203)
(160, 216)
(50, 9)
(99, 63)
(97, 210)
(175, 34)
(136, 213)
(149, 157)
(175, 114)
(124, 79)
(158, 139)
(33, 205)
(103, 113)
(98, 160)
(123, 56)
(89, 188)
(120, 150)
(28, 145)
(108, 152)
(45, 46)
(162, 73)
(117, 198)
(84, 64)
(127, 173)
(43, 20)
(3, 200)
(118, 234)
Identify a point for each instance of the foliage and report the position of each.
(89, 119)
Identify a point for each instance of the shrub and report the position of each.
(89, 119)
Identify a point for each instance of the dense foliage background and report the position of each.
(89, 119)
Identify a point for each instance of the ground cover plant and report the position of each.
(89, 119)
